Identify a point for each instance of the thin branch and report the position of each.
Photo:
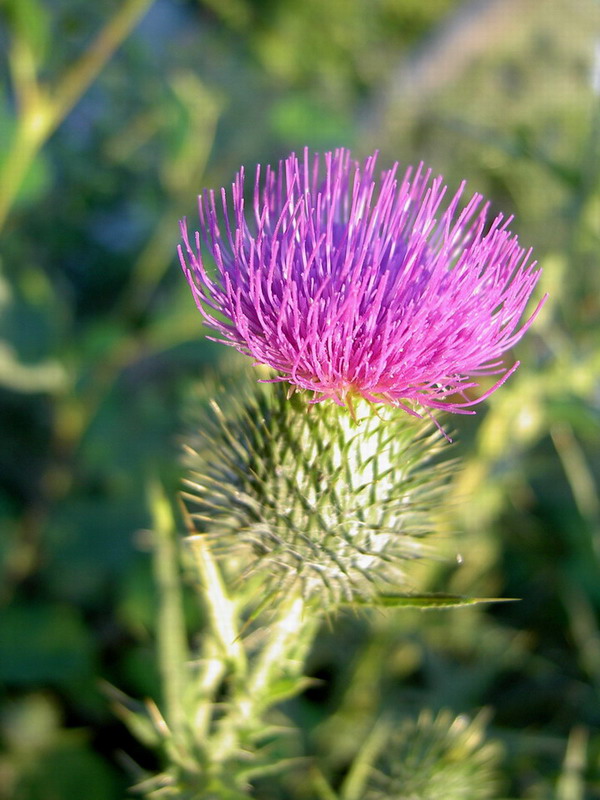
(79, 77)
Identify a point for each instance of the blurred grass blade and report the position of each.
(571, 784)
(580, 478)
(83, 71)
(173, 654)
(355, 781)
(134, 714)
(321, 785)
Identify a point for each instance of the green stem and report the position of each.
(173, 654)
(210, 679)
(354, 783)
(79, 77)
(287, 641)
(283, 637)
(42, 110)
(221, 610)
(26, 143)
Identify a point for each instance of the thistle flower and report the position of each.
(438, 758)
(317, 501)
(349, 285)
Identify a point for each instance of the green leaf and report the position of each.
(285, 688)
(426, 601)
(135, 715)
(271, 768)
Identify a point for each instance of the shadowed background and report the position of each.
(104, 145)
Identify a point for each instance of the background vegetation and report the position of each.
(103, 146)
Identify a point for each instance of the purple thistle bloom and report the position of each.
(348, 285)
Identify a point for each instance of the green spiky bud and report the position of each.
(310, 494)
(437, 758)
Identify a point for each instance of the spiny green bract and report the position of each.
(302, 492)
(437, 758)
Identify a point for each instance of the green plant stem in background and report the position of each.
(173, 653)
(181, 175)
(41, 109)
(28, 138)
(571, 784)
(354, 783)
(76, 408)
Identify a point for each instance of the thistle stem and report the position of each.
(286, 643)
(221, 610)
(283, 636)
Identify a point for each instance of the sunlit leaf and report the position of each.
(426, 601)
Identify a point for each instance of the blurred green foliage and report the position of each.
(113, 116)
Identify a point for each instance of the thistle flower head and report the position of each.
(349, 284)
(438, 758)
(313, 499)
